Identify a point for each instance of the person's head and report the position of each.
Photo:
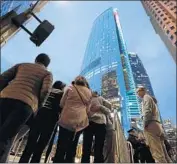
(132, 132)
(87, 84)
(94, 93)
(141, 91)
(43, 59)
(58, 85)
(80, 80)
(141, 136)
(154, 99)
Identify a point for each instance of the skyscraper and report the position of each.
(106, 66)
(19, 6)
(140, 75)
(163, 18)
(141, 78)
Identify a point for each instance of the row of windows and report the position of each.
(102, 69)
(102, 40)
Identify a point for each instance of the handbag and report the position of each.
(79, 95)
(83, 104)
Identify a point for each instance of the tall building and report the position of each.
(106, 66)
(140, 75)
(141, 78)
(19, 6)
(163, 18)
(10, 9)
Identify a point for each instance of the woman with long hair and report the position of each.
(75, 103)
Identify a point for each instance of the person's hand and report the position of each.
(111, 119)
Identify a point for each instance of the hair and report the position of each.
(154, 99)
(141, 88)
(80, 80)
(95, 92)
(43, 59)
(58, 85)
(87, 84)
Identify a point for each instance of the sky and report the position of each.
(66, 45)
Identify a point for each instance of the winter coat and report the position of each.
(149, 110)
(27, 82)
(75, 108)
(100, 110)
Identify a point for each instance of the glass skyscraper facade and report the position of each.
(106, 65)
(140, 75)
(18, 6)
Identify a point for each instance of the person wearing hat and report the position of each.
(153, 130)
(43, 125)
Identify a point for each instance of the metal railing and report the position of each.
(124, 151)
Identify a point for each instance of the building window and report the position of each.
(171, 37)
(160, 22)
(159, 11)
(164, 19)
(158, 18)
(172, 27)
(168, 31)
(168, 22)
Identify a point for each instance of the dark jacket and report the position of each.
(134, 141)
(52, 102)
(27, 82)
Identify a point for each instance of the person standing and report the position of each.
(23, 89)
(153, 130)
(164, 143)
(97, 128)
(109, 150)
(144, 152)
(133, 139)
(73, 119)
(43, 125)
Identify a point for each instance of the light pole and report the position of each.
(12, 23)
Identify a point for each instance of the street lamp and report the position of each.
(43, 30)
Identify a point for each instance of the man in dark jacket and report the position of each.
(23, 89)
(133, 139)
(43, 125)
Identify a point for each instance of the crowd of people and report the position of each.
(28, 97)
